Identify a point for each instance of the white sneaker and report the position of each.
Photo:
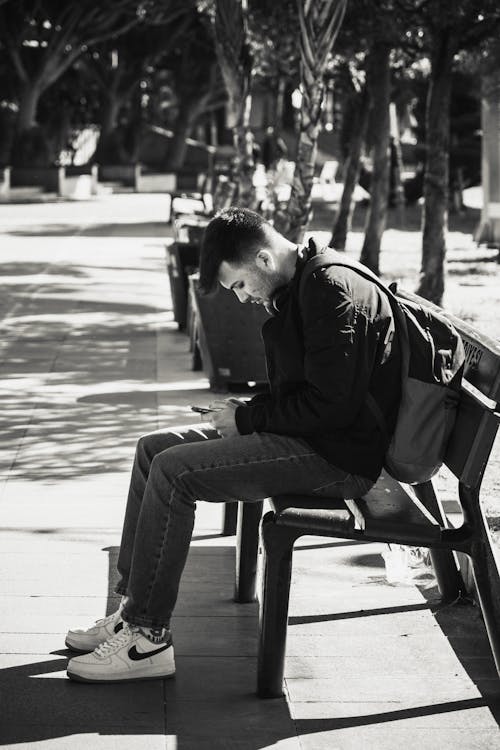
(84, 641)
(128, 655)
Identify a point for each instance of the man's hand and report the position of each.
(224, 418)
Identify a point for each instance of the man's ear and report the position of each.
(265, 259)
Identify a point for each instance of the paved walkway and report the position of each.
(91, 358)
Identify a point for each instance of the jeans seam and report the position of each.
(162, 546)
(241, 463)
(334, 483)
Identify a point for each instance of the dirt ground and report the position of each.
(472, 292)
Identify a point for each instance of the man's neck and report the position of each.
(290, 261)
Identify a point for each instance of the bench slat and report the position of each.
(471, 441)
(389, 510)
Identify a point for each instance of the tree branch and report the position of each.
(12, 47)
(18, 63)
(472, 34)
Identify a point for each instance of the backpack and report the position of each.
(432, 362)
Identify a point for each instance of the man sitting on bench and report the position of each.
(311, 433)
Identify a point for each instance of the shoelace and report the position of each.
(106, 620)
(115, 642)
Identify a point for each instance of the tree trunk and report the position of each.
(294, 222)
(435, 216)
(239, 106)
(342, 224)
(189, 113)
(277, 106)
(177, 149)
(30, 146)
(320, 22)
(28, 107)
(397, 192)
(244, 164)
(236, 67)
(108, 150)
(379, 82)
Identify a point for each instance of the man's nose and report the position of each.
(242, 295)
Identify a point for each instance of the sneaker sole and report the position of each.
(77, 650)
(77, 678)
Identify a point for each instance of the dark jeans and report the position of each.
(175, 468)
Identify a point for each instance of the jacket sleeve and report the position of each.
(340, 346)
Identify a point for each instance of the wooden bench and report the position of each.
(389, 512)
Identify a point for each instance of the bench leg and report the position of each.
(445, 566)
(278, 544)
(448, 578)
(486, 574)
(247, 551)
(230, 519)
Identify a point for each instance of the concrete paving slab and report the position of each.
(22, 366)
(215, 636)
(382, 738)
(80, 578)
(469, 647)
(394, 623)
(88, 608)
(409, 690)
(37, 688)
(44, 736)
(62, 540)
(396, 661)
(228, 677)
(92, 513)
(259, 722)
(453, 714)
(235, 743)
(25, 613)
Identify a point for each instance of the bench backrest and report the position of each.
(477, 419)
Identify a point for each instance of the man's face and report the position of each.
(254, 281)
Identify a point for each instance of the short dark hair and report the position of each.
(233, 235)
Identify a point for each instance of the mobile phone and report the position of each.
(202, 409)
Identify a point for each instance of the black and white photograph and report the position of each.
(250, 374)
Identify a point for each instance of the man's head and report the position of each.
(244, 253)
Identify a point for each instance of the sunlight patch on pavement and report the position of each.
(64, 392)
(68, 319)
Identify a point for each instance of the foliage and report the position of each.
(471, 21)
(273, 30)
(125, 72)
(44, 37)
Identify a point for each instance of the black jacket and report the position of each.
(324, 348)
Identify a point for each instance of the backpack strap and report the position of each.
(330, 257)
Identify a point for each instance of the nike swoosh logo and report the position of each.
(118, 627)
(134, 655)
